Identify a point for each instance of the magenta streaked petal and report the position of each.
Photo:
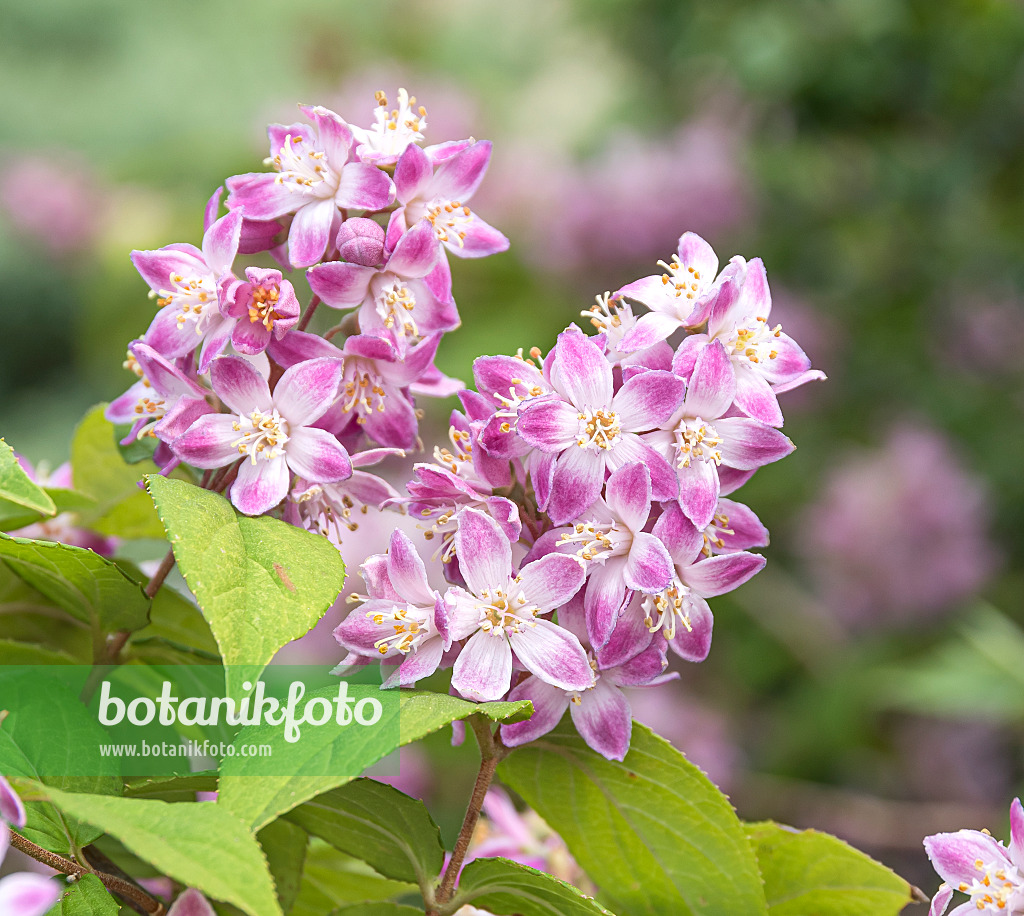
(628, 494)
(212, 209)
(310, 232)
(629, 638)
(698, 492)
(483, 670)
(333, 134)
(122, 408)
(648, 400)
(648, 567)
(169, 337)
(553, 654)
(694, 252)
(749, 444)
(11, 808)
(484, 552)
(953, 855)
(551, 581)
(603, 719)
(262, 197)
(167, 378)
(506, 514)
(157, 266)
(495, 375)
(180, 417)
(789, 361)
(369, 489)
(412, 172)
(481, 240)
(575, 485)
(249, 337)
(191, 903)
(237, 383)
(603, 600)
(207, 442)
(215, 341)
(694, 644)
(741, 528)
(422, 662)
(416, 253)
(811, 375)
(549, 423)
(717, 575)
(298, 346)
(685, 357)
(941, 900)
(643, 668)
(364, 187)
(732, 479)
(26, 894)
(649, 330)
(341, 286)
(630, 449)
(754, 396)
(396, 427)
(358, 632)
(260, 486)
(549, 705)
(220, 242)
(317, 456)
(307, 389)
(713, 383)
(542, 474)
(582, 370)
(1017, 833)
(460, 175)
(680, 536)
(407, 572)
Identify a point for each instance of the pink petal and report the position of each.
(341, 286)
(953, 854)
(745, 527)
(407, 572)
(460, 176)
(941, 900)
(717, 575)
(680, 536)
(685, 357)
(649, 567)
(603, 600)
(191, 903)
(698, 492)
(629, 638)
(157, 266)
(237, 383)
(575, 485)
(25, 894)
(412, 172)
(261, 486)
(551, 581)
(694, 252)
(553, 654)
(603, 719)
(649, 330)
(549, 705)
(216, 340)
(262, 197)
(749, 444)
(582, 370)
(484, 552)
(549, 423)
(631, 448)
(317, 456)
(416, 253)
(307, 389)
(11, 808)
(168, 337)
(167, 378)
(310, 232)
(481, 240)
(641, 669)
(483, 670)
(358, 633)
(207, 442)
(694, 644)
(1017, 833)
(220, 243)
(212, 209)
(811, 375)
(754, 396)
(628, 494)
(364, 187)
(790, 360)
(422, 662)
(333, 134)
(648, 400)
(713, 383)
(250, 337)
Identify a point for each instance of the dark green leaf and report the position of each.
(284, 845)
(86, 897)
(173, 788)
(331, 878)
(17, 488)
(506, 888)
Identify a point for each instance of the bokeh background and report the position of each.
(871, 681)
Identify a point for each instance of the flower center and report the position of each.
(713, 534)
(410, 625)
(756, 343)
(396, 128)
(669, 608)
(599, 429)
(685, 283)
(263, 306)
(450, 220)
(998, 886)
(696, 439)
(191, 295)
(503, 614)
(599, 540)
(324, 514)
(395, 303)
(263, 435)
(362, 391)
(305, 170)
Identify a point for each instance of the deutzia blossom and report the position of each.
(393, 129)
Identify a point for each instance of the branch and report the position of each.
(153, 586)
(313, 303)
(118, 886)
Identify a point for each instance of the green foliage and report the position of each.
(424, 712)
(18, 492)
(331, 878)
(91, 588)
(176, 623)
(173, 788)
(27, 653)
(201, 845)
(809, 872)
(86, 897)
(391, 832)
(377, 909)
(506, 888)
(99, 471)
(652, 831)
(260, 582)
(284, 845)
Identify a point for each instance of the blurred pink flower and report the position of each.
(899, 533)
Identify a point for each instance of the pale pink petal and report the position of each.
(575, 485)
(310, 232)
(694, 643)
(220, 243)
(237, 383)
(416, 253)
(317, 456)
(648, 400)
(741, 528)
(549, 423)
(628, 494)
(481, 240)
(629, 638)
(358, 633)
(412, 172)
(420, 663)
(583, 372)
(260, 486)
(212, 209)
(713, 383)
(698, 491)
(459, 176)
(307, 389)
(603, 719)
(407, 572)
(603, 600)
(749, 444)
(341, 286)
(941, 900)
(685, 357)
(790, 360)
(953, 854)
(207, 443)
(483, 670)
(157, 266)
(754, 396)
(631, 448)
(11, 808)
(650, 329)
(717, 575)
(551, 581)
(549, 705)
(649, 567)
(169, 337)
(484, 552)
(364, 187)
(680, 536)
(334, 136)
(811, 375)
(644, 667)
(191, 903)
(262, 197)
(25, 894)
(553, 654)
(1017, 833)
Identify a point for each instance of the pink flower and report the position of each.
(501, 613)
(24, 894)
(191, 903)
(973, 863)
(393, 129)
(263, 305)
(314, 180)
(272, 431)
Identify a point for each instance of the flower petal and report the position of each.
(553, 654)
(310, 232)
(649, 567)
(191, 903)
(748, 444)
(603, 600)
(220, 242)
(341, 286)
(412, 172)
(713, 383)
(648, 400)
(317, 456)
(551, 581)
(650, 329)
(460, 176)
(754, 396)
(484, 552)
(422, 662)
(576, 484)
(237, 383)
(549, 423)
(954, 854)
(549, 705)
(581, 370)
(416, 253)
(11, 808)
(628, 494)
(604, 720)
(693, 644)
(407, 572)
(483, 670)
(207, 443)
(698, 492)
(307, 389)
(364, 187)
(260, 486)
(717, 575)
(26, 894)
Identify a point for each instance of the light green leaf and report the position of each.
(378, 909)
(200, 844)
(392, 832)
(13, 516)
(26, 653)
(173, 788)
(284, 845)
(100, 472)
(259, 789)
(809, 872)
(331, 878)
(506, 888)
(652, 832)
(260, 582)
(176, 621)
(86, 897)
(17, 488)
(89, 587)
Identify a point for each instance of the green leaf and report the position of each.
(652, 831)
(13, 517)
(809, 872)
(89, 587)
(330, 877)
(176, 621)
(259, 789)
(392, 832)
(378, 909)
(38, 738)
(284, 845)
(260, 582)
(173, 788)
(17, 488)
(100, 472)
(86, 897)
(26, 653)
(200, 844)
(506, 888)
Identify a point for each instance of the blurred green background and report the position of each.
(871, 681)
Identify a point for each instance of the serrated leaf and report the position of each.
(506, 888)
(331, 878)
(390, 831)
(652, 832)
(91, 588)
(13, 517)
(260, 582)
(284, 845)
(18, 489)
(121, 508)
(175, 621)
(86, 897)
(173, 788)
(809, 872)
(200, 844)
(260, 789)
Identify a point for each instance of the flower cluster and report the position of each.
(24, 893)
(229, 381)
